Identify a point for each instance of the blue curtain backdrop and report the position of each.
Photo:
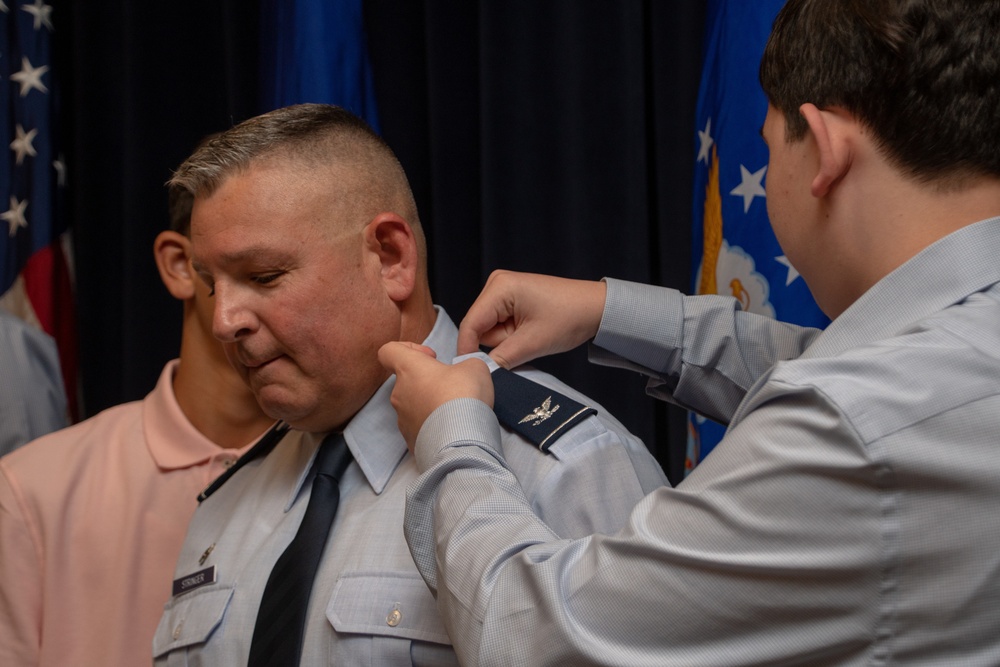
(734, 251)
(316, 51)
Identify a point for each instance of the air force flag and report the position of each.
(734, 250)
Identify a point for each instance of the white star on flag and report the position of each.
(41, 12)
(22, 143)
(750, 186)
(705, 137)
(30, 77)
(792, 273)
(15, 215)
(3, 7)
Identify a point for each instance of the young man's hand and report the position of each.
(423, 384)
(523, 316)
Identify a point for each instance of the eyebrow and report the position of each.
(251, 254)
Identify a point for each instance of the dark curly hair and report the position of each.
(923, 75)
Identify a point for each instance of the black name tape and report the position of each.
(190, 582)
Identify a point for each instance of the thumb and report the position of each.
(468, 339)
(509, 353)
(398, 354)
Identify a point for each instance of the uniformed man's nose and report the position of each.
(231, 319)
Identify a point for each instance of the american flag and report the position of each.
(35, 281)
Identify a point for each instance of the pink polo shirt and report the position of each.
(92, 519)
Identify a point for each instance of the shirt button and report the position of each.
(177, 630)
(394, 617)
(228, 463)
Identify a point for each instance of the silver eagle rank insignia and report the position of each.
(522, 405)
(540, 414)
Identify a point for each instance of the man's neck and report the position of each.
(216, 401)
(895, 220)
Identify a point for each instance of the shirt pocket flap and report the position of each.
(388, 604)
(190, 619)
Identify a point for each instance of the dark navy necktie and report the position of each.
(281, 619)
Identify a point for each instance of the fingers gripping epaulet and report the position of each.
(534, 411)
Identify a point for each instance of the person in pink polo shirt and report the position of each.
(92, 517)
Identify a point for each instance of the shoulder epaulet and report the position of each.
(263, 447)
(538, 413)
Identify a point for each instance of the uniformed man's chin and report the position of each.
(297, 416)
(277, 406)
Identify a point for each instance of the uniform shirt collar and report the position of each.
(372, 435)
(944, 273)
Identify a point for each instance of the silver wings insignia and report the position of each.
(540, 414)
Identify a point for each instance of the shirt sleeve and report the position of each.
(743, 563)
(20, 580)
(32, 396)
(589, 480)
(700, 352)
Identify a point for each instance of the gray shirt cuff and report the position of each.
(462, 421)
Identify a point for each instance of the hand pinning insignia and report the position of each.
(540, 414)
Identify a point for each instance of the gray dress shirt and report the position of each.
(369, 605)
(849, 517)
(32, 396)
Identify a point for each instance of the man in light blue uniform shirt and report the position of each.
(32, 395)
(305, 229)
(849, 516)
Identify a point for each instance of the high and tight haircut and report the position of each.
(922, 75)
(308, 134)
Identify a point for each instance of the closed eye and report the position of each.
(267, 278)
